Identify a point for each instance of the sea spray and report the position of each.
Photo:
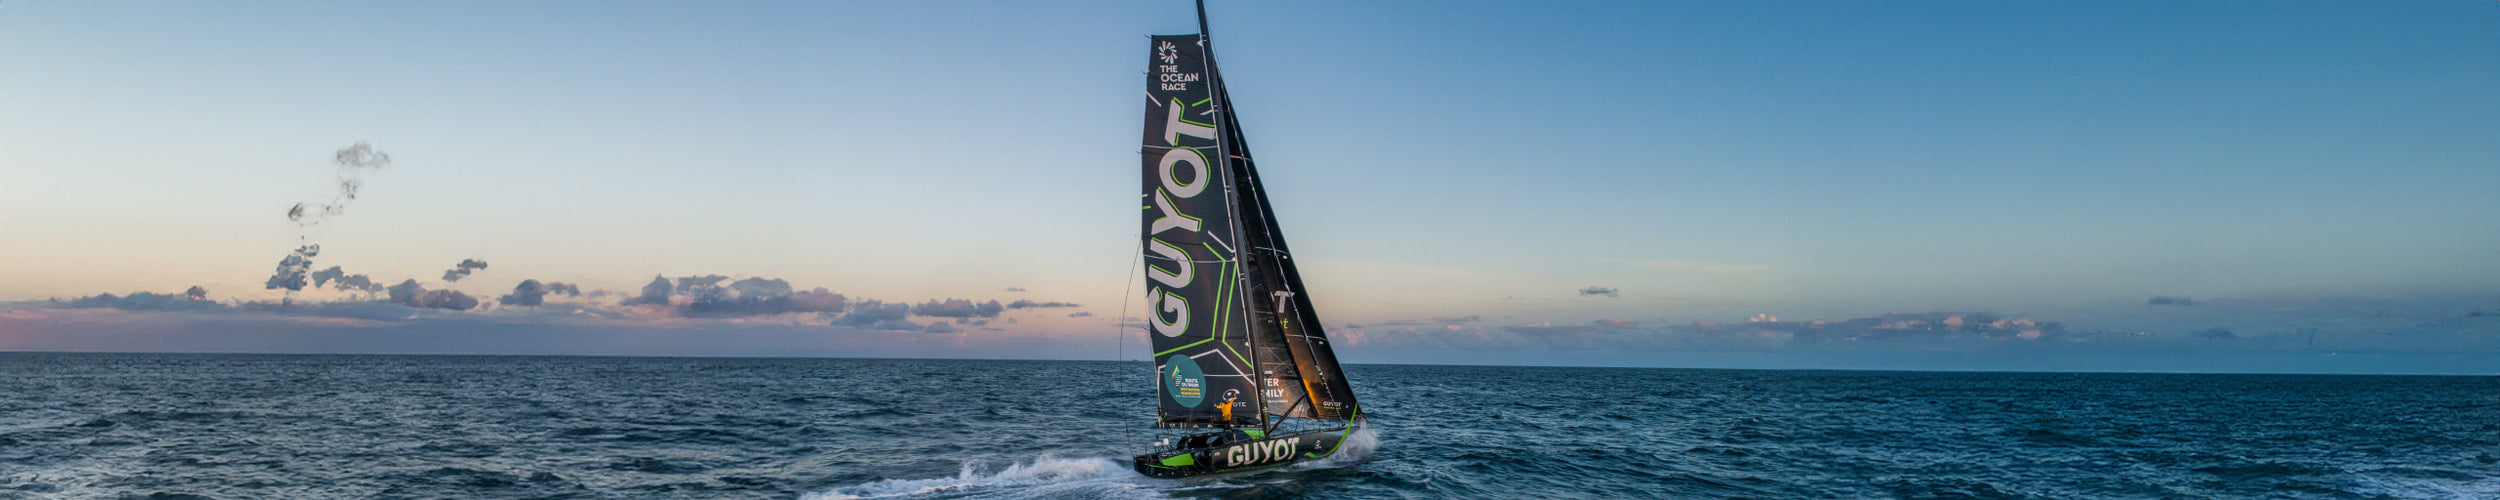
(1357, 448)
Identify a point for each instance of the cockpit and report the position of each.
(1208, 440)
(1218, 439)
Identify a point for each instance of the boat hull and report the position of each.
(1235, 451)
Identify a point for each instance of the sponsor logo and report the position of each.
(1261, 452)
(1183, 381)
(1168, 75)
(1181, 174)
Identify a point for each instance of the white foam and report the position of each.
(1051, 477)
(1356, 449)
(1045, 477)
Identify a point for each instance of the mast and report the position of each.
(1202, 28)
(1224, 134)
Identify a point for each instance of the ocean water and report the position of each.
(272, 427)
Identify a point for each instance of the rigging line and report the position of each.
(1119, 325)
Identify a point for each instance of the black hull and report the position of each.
(1237, 451)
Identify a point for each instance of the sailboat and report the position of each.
(1237, 346)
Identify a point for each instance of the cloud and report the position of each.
(359, 282)
(1699, 267)
(877, 315)
(818, 300)
(761, 287)
(447, 299)
(1015, 289)
(406, 292)
(707, 297)
(351, 164)
(409, 293)
(144, 301)
(698, 282)
(293, 269)
(1080, 314)
(529, 293)
(942, 328)
(655, 293)
(323, 277)
(345, 282)
(957, 308)
(2171, 301)
(1021, 304)
(1609, 292)
(463, 269)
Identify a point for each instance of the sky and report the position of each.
(1601, 183)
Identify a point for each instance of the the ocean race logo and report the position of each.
(1183, 381)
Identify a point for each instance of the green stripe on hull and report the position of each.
(1181, 460)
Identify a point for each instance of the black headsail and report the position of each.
(1232, 321)
(1299, 370)
(1193, 273)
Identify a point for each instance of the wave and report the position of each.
(1045, 477)
(2429, 488)
(1093, 477)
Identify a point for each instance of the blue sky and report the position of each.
(1710, 161)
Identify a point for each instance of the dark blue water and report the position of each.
(233, 427)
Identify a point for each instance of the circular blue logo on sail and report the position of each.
(1183, 381)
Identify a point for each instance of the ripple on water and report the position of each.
(236, 426)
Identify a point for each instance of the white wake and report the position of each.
(1045, 477)
(1065, 478)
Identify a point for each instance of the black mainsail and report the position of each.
(1235, 336)
(1192, 248)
